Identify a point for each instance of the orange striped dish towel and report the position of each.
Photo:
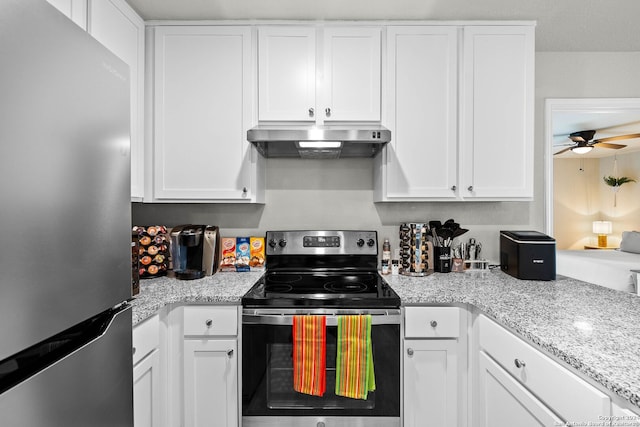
(354, 359)
(309, 354)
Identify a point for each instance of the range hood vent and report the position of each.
(319, 142)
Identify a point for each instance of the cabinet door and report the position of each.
(497, 121)
(287, 73)
(505, 403)
(76, 10)
(421, 159)
(351, 77)
(210, 383)
(430, 383)
(202, 111)
(114, 24)
(146, 391)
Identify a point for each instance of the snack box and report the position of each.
(256, 263)
(243, 253)
(228, 262)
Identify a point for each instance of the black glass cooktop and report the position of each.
(286, 289)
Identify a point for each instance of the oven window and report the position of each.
(280, 392)
(267, 375)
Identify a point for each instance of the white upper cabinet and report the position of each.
(421, 112)
(76, 10)
(202, 102)
(460, 109)
(114, 24)
(497, 112)
(351, 77)
(287, 73)
(319, 74)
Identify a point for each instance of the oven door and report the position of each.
(268, 397)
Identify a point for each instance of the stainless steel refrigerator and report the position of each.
(65, 257)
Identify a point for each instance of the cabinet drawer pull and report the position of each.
(311, 112)
(454, 188)
(470, 188)
(519, 363)
(208, 322)
(230, 352)
(410, 351)
(433, 323)
(327, 111)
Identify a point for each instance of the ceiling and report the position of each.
(562, 25)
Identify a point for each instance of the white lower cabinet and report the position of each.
(505, 403)
(210, 367)
(511, 372)
(210, 383)
(430, 383)
(146, 392)
(434, 367)
(147, 389)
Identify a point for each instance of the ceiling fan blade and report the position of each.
(617, 138)
(562, 151)
(607, 145)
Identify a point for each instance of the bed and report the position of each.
(609, 268)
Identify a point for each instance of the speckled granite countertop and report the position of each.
(596, 330)
(221, 288)
(593, 329)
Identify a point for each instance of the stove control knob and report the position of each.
(360, 243)
(371, 242)
(272, 243)
(282, 243)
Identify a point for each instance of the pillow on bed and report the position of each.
(630, 242)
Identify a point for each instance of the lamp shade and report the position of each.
(602, 227)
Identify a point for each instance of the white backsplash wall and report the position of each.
(336, 194)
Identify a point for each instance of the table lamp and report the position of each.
(602, 228)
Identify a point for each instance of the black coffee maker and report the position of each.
(194, 251)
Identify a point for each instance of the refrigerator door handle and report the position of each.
(27, 363)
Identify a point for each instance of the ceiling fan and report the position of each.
(583, 141)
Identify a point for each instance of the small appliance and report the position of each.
(528, 255)
(195, 250)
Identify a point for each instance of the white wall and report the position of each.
(626, 214)
(339, 193)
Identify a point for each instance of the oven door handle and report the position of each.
(331, 319)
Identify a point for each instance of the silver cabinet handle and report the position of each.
(208, 322)
(470, 188)
(433, 323)
(454, 188)
(327, 111)
(244, 190)
(311, 112)
(410, 351)
(230, 352)
(519, 363)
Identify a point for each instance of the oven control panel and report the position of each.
(322, 242)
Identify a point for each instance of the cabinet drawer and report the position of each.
(432, 322)
(568, 395)
(146, 337)
(210, 320)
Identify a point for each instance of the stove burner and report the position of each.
(279, 288)
(284, 279)
(345, 287)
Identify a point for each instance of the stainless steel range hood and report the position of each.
(319, 142)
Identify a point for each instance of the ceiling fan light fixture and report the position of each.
(582, 149)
